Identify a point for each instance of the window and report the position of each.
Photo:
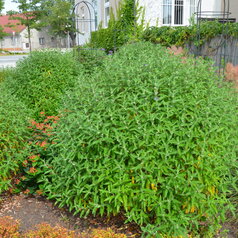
(107, 16)
(193, 7)
(173, 12)
(42, 40)
(107, 12)
(27, 45)
(13, 40)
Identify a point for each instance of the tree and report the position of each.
(1, 29)
(30, 13)
(1, 5)
(60, 17)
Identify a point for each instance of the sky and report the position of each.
(9, 5)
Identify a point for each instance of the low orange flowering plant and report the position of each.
(32, 166)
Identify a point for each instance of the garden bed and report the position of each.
(33, 210)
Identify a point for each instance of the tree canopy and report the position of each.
(1, 8)
(31, 13)
(60, 17)
(1, 5)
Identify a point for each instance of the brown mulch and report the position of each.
(33, 210)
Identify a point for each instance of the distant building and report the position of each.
(17, 37)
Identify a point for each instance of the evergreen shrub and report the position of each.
(14, 117)
(40, 79)
(151, 135)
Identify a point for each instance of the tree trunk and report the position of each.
(29, 36)
(73, 38)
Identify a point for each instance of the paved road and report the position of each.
(10, 60)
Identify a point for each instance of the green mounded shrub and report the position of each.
(4, 73)
(89, 58)
(152, 135)
(14, 117)
(41, 78)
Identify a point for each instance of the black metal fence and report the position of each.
(218, 49)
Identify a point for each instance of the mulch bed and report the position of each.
(33, 210)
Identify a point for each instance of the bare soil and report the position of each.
(33, 210)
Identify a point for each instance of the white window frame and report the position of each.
(106, 8)
(42, 40)
(170, 6)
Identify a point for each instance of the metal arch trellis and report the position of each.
(217, 49)
(91, 19)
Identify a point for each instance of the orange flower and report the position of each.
(33, 157)
(43, 144)
(39, 192)
(32, 170)
(57, 118)
(27, 191)
(17, 181)
(24, 163)
(33, 122)
(42, 113)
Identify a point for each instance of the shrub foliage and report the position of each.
(183, 35)
(126, 25)
(13, 135)
(151, 135)
(89, 58)
(41, 78)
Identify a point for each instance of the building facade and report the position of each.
(92, 13)
(17, 37)
(180, 12)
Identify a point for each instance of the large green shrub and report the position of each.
(4, 73)
(151, 135)
(40, 79)
(14, 119)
